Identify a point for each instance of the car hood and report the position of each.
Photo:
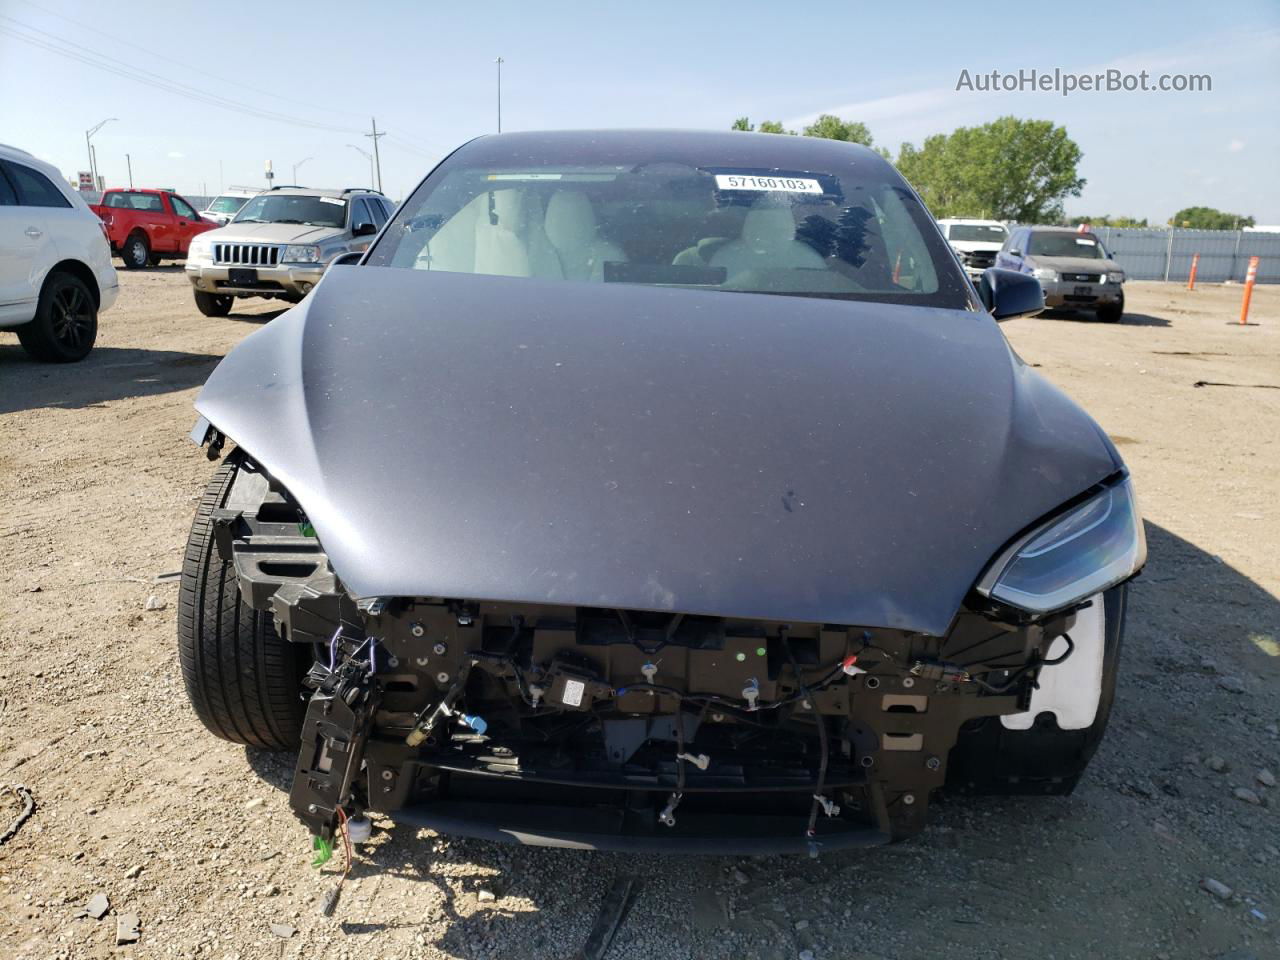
(976, 246)
(741, 455)
(275, 233)
(1074, 264)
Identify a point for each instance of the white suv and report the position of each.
(55, 262)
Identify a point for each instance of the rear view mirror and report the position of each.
(1008, 294)
(363, 230)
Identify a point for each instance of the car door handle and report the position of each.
(33, 233)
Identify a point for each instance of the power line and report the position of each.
(153, 54)
(74, 51)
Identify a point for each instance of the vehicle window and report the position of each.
(1018, 241)
(294, 208)
(34, 188)
(1065, 245)
(135, 201)
(379, 212)
(227, 205)
(686, 222)
(182, 208)
(360, 213)
(8, 196)
(977, 232)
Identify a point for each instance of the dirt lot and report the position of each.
(98, 483)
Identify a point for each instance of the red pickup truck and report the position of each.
(145, 226)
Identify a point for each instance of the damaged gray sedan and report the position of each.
(655, 491)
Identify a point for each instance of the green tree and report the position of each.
(833, 128)
(766, 126)
(1106, 220)
(1009, 169)
(1207, 218)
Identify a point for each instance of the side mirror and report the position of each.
(363, 230)
(1009, 295)
(346, 259)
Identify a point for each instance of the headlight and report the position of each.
(1044, 273)
(199, 249)
(302, 253)
(1088, 549)
(1114, 276)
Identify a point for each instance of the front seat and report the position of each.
(768, 243)
(570, 225)
(509, 240)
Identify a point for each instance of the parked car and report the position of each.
(55, 265)
(578, 528)
(149, 226)
(280, 243)
(976, 242)
(1074, 269)
(227, 204)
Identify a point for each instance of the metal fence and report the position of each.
(1153, 254)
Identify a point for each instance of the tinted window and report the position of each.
(294, 208)
(971, 232)
(379, 212)
(360, 213)
(8, 198)
(1065, 245)
(135, 201)
(34, 188)
(182, 208)
(677, 217)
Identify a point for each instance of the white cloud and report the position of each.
(1235, 146)
(176, 154)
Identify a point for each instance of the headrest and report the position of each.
(769, 225)
(508, 206)
(570, 221)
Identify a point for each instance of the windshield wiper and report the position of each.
(299, 222)
(250, 220)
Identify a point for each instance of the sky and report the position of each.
(232, 85)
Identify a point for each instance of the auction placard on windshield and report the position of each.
(734, 181)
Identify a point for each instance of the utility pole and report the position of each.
(499, 62)
(377, 161)
(129, 163)
(97, 177)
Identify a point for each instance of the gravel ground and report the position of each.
(194, 837)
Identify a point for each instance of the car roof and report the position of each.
(737, 147)
(320, 191)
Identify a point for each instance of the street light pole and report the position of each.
(368, 156)
(88, 136)
(297, 165)
(499, 62)
(128, 161)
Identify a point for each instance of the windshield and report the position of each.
(969, 232)
(1065, 245)
(294, 208)
(707, 224)
(226, 204)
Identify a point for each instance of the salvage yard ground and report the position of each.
(135, 801)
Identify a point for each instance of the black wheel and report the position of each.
(213, 305)
(1112, 312)
(989, 758)
(136, 252)
(66, 322)
(243, 680)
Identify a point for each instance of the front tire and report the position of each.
(1112, 312)
(136, 252)
(66, 322)
(213, 305)
(243, 680)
